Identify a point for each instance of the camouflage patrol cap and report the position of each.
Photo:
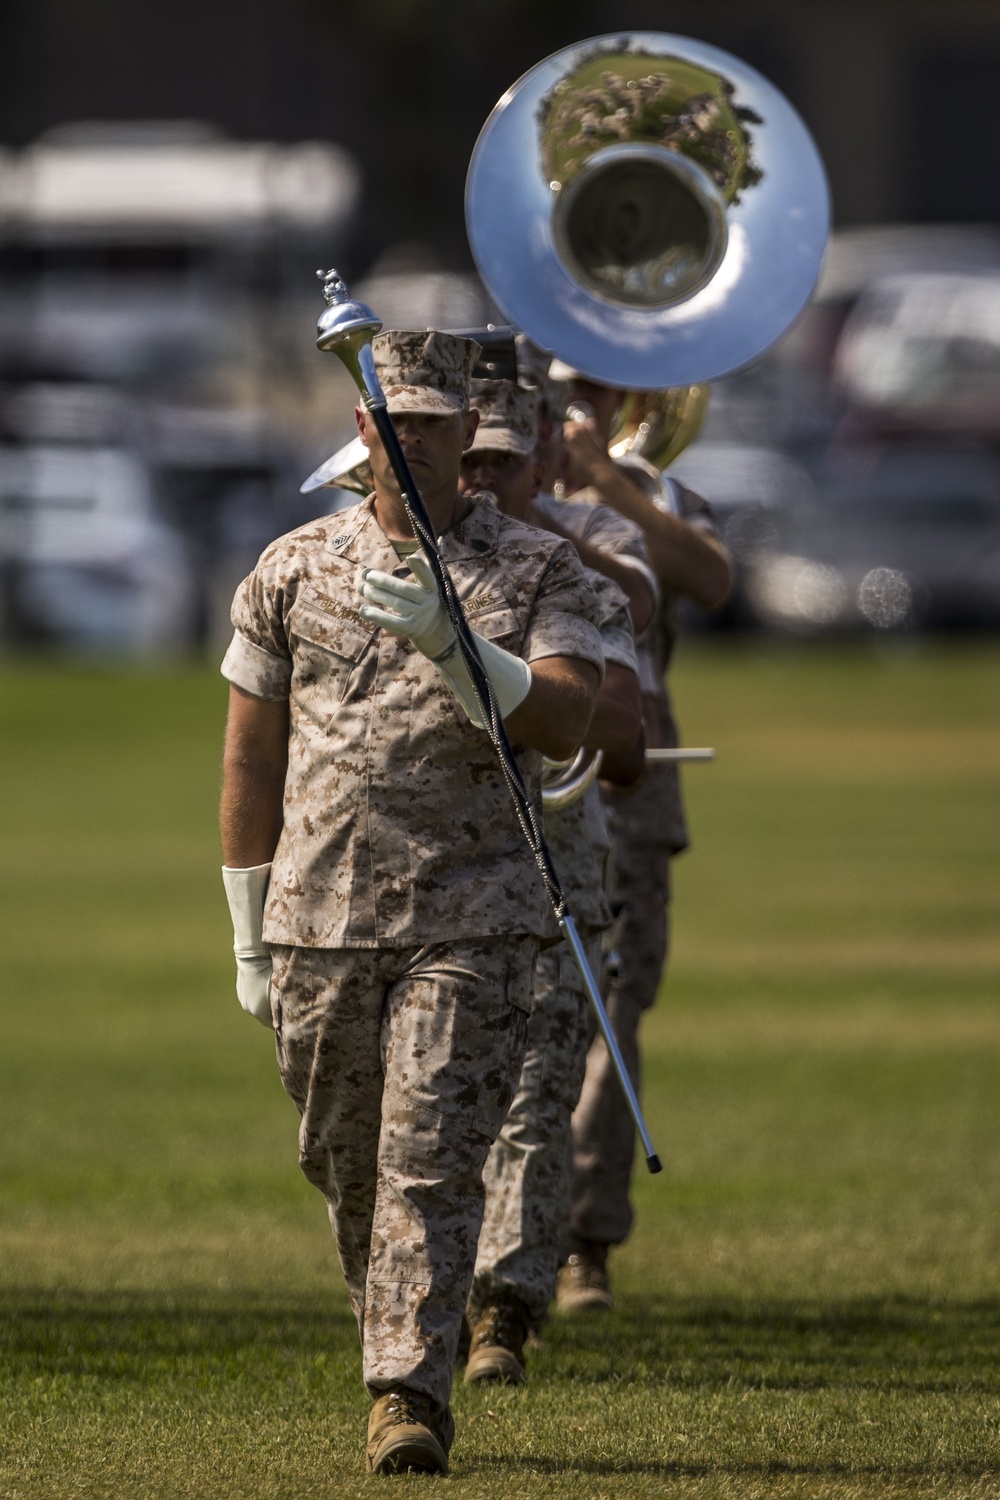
(422, 370)
(508, 417)
(533, 371)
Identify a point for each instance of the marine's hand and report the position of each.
(414, 608)
(245, 892)
(253, 986)
(409, 606)
(585, 457)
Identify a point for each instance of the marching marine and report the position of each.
(689, 561)
(387, 910)
(526, 1176)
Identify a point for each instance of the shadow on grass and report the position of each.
(893, 1344)
(128, 1335)
(681, 1344)
(901, 1474)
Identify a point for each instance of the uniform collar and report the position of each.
(362, 540)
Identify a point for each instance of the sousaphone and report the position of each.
(649, 208)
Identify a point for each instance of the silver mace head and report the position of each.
(346, 328)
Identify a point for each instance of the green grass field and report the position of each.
(811, 1303)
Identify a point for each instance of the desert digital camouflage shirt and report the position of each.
(587, 519)
(578, 836)
(398, 827)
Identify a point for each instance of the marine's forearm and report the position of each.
(683, 557)
(554, 716)
(253, 784)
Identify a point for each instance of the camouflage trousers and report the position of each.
(603, 1132)
(527, 1171)
(403, 1063)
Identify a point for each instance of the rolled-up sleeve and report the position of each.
(615, 622)
(565, 614)
(258, 659)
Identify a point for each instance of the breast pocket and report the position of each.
(327, 646)
(499, 624)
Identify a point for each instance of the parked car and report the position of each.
(901, 537)
(750, 489)
(920, 355)
(85, 560)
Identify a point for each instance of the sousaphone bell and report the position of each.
(649, 208)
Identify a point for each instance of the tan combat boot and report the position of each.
(407, 1433)
(582, 1284)
(497, 1351)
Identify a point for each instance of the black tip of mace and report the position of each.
(654, 1163)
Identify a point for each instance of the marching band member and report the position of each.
(387, 910)
(690, 561)
(605, 540)
(526, 1176)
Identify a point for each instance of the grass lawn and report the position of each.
(810, 1305)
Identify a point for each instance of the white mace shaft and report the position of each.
(569, 932)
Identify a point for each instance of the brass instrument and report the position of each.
(563, 781)
(347, 469)
(654, 212)
(649, 208)
(659, 425)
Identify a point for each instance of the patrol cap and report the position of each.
(533, 371)
(424, 370)
(508, 417)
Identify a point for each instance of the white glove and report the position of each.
(245, 892)
(414, 609)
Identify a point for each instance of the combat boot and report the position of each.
(407, 1433)
(582, 1284)
(498, 1335)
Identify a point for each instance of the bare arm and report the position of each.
(555, 714)
(617, 726)
(253, 782)
(617, 717)
(684, 557)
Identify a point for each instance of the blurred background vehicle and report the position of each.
(156, 398)
(753, 491)
(170, 182)
(900, 538)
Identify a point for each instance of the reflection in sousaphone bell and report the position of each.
(649, 208)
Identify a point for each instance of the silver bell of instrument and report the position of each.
(565, 781)
(649, 208)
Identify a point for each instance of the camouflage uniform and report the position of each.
(649, 829)
(587, 520)
(527, 1180)
(404, 909)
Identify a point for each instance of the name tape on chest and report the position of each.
(483, 602)
(330, 606)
